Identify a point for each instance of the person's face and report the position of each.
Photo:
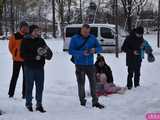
(85, 31)
(139, 35)
(24, 29)
(103, 81)
(35, 33)
(101, 63)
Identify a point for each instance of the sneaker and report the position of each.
(40, 109)
(29, 108)
(98, 105)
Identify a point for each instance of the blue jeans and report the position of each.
(34, 75)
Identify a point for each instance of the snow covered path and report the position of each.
(60, 95)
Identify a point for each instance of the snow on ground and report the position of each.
(60, 95)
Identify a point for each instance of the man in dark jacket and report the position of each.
(134, 46)
(84, 62)
(34, 51)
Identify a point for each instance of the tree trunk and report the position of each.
(1, 17)
(53, 18)
(12, 16)
(69, 12)
(81, 20)
(129, 23)
(61, 10)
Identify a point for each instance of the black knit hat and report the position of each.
(100, 58)
(22, 24)
(139, 30)
(32, 28)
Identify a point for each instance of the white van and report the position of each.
(105, 34)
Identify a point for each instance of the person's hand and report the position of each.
(135, 52)
(38, 58)
(86, 53)
(98, 76)
(93, 51)
(41, 51)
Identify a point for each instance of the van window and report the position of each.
(94, 31)
(70, 32)
(106, 33)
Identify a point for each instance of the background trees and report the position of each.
(53, 15)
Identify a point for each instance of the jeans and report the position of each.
(34, 75)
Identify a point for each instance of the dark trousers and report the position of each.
(34, 75)
(134, 71)
(16, 69)
(0, 112)
(81, 71)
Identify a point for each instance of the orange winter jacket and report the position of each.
(14, 46)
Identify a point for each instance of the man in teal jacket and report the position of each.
(83, 46)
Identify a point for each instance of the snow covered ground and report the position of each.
(60, 95)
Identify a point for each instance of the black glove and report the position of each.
(151, 58)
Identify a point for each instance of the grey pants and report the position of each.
(81, 71)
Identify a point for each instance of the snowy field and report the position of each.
(60, 95)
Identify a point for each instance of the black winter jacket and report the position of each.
(132, 43)
(29, 47)
(106, 70)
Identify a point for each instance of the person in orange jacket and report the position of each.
(14, 48)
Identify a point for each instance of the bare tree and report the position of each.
(130, 6)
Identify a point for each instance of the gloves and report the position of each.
(151, 58)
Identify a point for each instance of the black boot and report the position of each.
(136, 83)
(23, 97)
(40, 109)
(29, 108)
(98, 105)
(0, 112)
(83, 103)
(129, 88)
(10, 96)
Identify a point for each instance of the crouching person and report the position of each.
(105, 84)
(34, 51)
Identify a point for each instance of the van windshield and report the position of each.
(70, 32)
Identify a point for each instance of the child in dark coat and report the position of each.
(105, 84)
